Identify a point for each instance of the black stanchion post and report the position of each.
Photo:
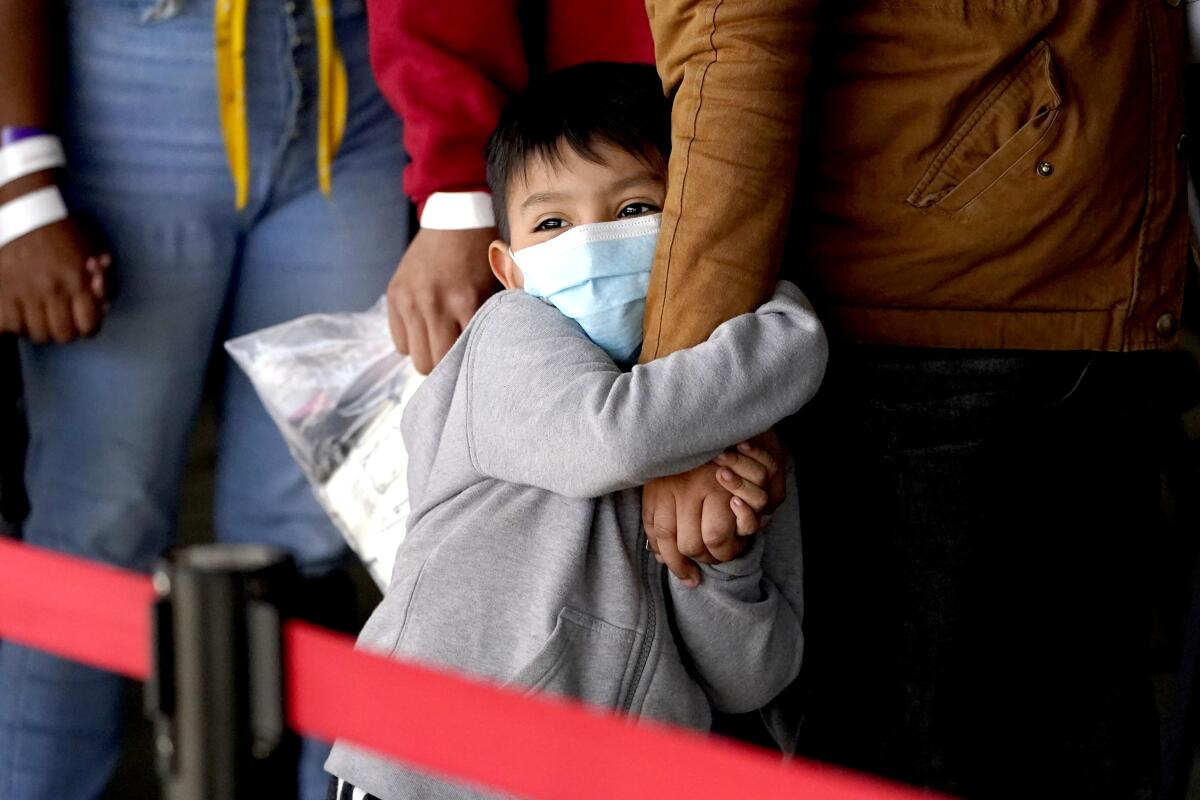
(216, 692)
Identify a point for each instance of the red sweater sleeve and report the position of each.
(447, 68)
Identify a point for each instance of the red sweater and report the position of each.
(448, 68)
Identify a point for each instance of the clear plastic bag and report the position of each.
(337, 388)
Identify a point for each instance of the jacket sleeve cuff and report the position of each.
(746, 564)
(456, 211)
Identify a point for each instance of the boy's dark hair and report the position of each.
(580, 107)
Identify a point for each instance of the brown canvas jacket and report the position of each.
(967, 173)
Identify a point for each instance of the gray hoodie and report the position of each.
(525, 560)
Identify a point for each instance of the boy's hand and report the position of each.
(700, 516)
(758, 463)
(752, 475)
(441, 282)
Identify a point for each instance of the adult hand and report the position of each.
(683, 515)
(700, 516)
(441, 282)
(51, 286)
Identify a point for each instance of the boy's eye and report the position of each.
(554, 223)
(638, 209)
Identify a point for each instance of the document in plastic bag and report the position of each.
(337, 389)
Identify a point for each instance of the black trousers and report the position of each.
(14, 504)
(977, 529)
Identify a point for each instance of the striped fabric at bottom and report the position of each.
(340, 790)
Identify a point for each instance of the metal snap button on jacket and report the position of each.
(1166, 326)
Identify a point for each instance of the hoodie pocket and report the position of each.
(584, 657)
(1014, 117)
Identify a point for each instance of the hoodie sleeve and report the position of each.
(546, 407)
(741, 627)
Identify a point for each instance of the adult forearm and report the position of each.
(24, 68)
(52, 284)
(737, 71)
(23, 63)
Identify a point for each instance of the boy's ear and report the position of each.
(503, 266)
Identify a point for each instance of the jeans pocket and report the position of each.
(584, 657)
(1074, 381)
(960, 399)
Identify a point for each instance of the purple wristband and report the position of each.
(11, 134)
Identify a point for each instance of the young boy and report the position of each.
(525, 560)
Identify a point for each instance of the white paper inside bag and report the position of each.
(337, 389)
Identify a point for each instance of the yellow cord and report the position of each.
(332, 93)
(230, 27)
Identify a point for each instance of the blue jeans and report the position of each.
(110, 417)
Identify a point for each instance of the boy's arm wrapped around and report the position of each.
(548, 408)
(741, 626)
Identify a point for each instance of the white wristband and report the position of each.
(31, 155)
(30, 212)
(457, 211)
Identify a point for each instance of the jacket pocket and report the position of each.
(584, 657)
(1011, 120)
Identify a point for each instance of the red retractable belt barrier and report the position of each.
(76, 609)
(456, 727)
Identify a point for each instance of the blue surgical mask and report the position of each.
(598, 276)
